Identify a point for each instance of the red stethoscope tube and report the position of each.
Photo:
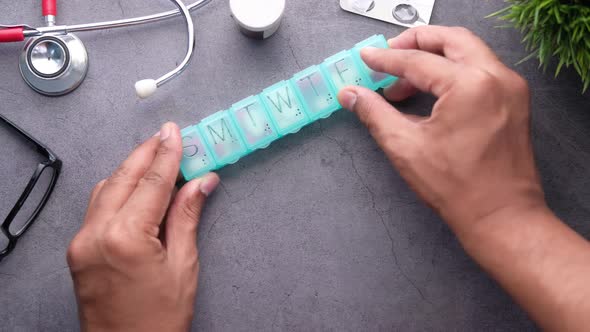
(49, 7)
(12, 35)
(16, 34)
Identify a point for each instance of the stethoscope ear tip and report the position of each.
(145, 88)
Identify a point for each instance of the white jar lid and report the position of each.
(257, 15)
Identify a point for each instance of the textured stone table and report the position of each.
(317, 232)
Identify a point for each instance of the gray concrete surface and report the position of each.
(317, 232)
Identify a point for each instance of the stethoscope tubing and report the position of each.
(29, 31)
(190, 46)
(15, 33)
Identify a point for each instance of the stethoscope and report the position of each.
(54, 61)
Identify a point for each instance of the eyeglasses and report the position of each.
(33, 198)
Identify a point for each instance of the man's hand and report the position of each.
(472, 161)
(472, 157)
(131, 270)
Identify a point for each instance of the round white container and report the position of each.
(258, 19)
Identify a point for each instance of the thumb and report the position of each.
(184, 214)
(383, 120)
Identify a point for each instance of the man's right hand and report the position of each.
(473, 156)
(472, 161)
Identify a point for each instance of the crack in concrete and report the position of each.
(252, 192)
(121, 7)
(215, 223)
(9, 275)
(15, 94)
(438, 244)
(293, 54)
(222, 186)
(374, 206)
(287, 296)
(276, 314)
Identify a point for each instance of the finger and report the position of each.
(416, 118)
(117, 188)
(92, 203)
(184, 215)
(95, 192)
(162, 234)
(383, 120)
(456, 43)
(150, 200)
(426, 71)
(400, 90)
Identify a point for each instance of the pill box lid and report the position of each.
(257, 15)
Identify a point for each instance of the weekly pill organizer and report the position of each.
(281, 109)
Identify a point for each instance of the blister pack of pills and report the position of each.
(283, 108)
(408, 13)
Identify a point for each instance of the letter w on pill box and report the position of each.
(283, 108)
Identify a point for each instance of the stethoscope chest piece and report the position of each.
(54, 65)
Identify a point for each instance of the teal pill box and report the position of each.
(281, 109)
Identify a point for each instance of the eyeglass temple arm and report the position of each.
(41, 148)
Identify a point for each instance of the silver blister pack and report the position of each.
(408, 13)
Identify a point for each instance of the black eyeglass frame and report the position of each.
(53, 162)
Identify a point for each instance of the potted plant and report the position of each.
(553, 29)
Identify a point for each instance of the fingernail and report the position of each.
(367, 51)
(209, 183)
(348, 99)
(165, 131)
(157, 134)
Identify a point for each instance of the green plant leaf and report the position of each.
(553, 29)
(526, 58)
